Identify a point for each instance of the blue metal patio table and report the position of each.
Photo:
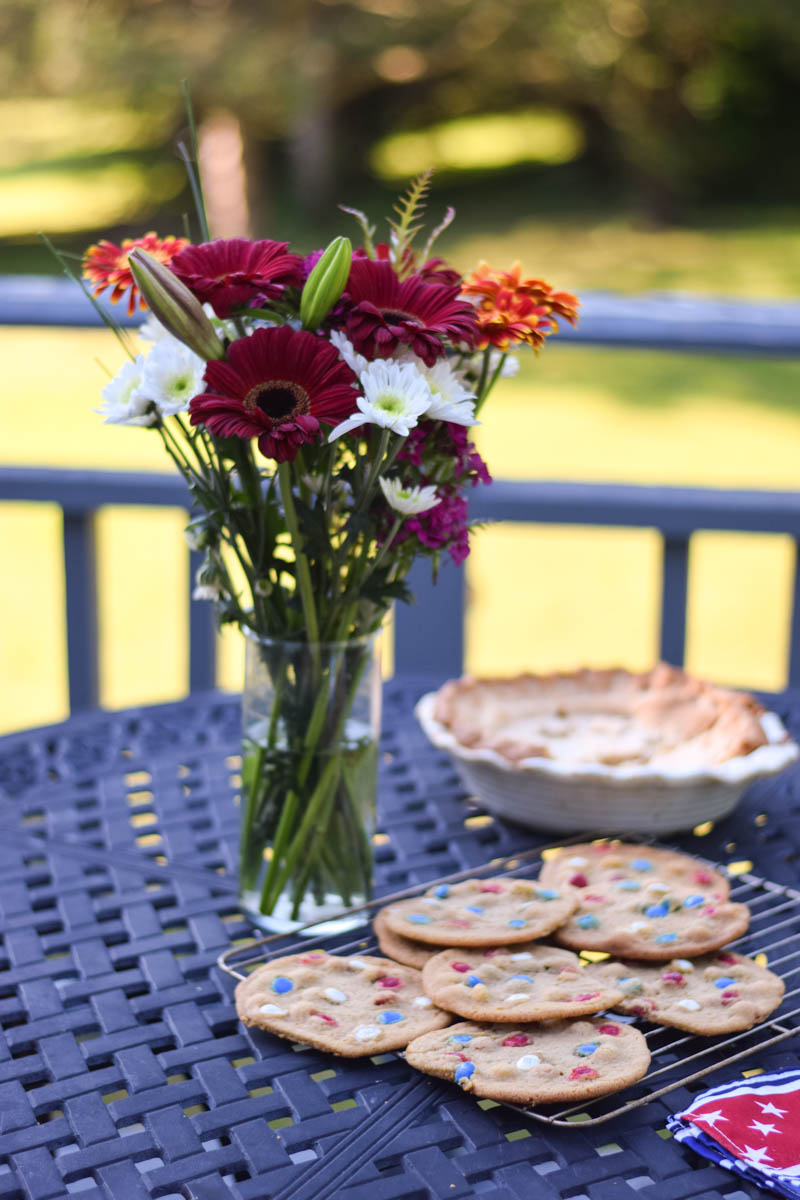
(124, 1072)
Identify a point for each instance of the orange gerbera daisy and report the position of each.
(510, 308)
(106, 265)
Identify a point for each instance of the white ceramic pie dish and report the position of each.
(571, 797)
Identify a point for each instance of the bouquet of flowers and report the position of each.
(318, 407)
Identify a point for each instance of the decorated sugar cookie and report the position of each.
(481, 912)
(349, 1006)
(718, 993)
(676, 923)
(639, 870)
(534, 1064)
(530, 982)
(401, 949)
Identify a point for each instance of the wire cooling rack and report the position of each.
(678, 1060)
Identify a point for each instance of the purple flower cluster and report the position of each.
(468, 461)
(443, 451)
(446, 440)
(310, 261)
(444, 525)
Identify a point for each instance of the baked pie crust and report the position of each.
(662, 719)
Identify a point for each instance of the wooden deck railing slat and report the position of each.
(674, 584)
(429, 636)
(80, 582)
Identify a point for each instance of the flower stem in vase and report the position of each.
(310, 774)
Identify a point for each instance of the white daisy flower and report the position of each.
(223, 328)
(206, 584)
(124, 403)
(408, 500)
(314, 483)
(198, 534)
(395, 396)
(194, 539)
(510, 366)
(172, 375)
(451, 400)
(207, 591)
(151, 329)
(355, 361)
(474, 364)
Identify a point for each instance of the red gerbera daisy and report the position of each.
(229, 273)
(276, 385)
(436, 270)
(381, 311)
(433, 270)
(106, 265)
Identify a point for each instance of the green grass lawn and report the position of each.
(751, 255)
(539, 597)
(554, 597)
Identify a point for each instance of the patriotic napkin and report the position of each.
(751, 1127)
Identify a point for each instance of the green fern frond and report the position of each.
(409, 209)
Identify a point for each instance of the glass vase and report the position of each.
(310, 730)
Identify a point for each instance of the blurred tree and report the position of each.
(681, 102)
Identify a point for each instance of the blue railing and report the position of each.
(79, 494)
(671, 321)
(429, 637)
(676, 513)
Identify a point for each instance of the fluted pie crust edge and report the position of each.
(609, 723)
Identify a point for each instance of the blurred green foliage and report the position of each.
(660, 108)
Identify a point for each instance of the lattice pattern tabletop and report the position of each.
(123, 1070)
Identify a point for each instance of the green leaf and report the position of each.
(119, 332)
(227, 449)
(191, 163)
(359, 523)
(313, 523)
(381, 591)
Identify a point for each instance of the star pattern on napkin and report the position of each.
(711, 1118)
(755, 1155)
(760, 1127)
(770, 1108)
(751, 1127)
